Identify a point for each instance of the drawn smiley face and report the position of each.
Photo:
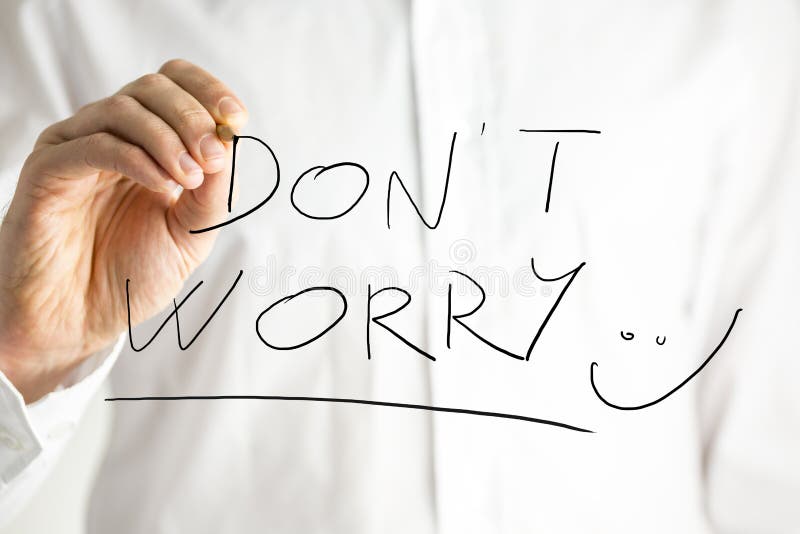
(628, 336)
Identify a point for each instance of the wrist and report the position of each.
(33, 375)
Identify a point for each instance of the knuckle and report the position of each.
(212, 87)
(163, 133)
(128, 157)
(150, 80)
(48, 136)
(90, 144)
(103, 146)
(129, 152)
(173, 65)
(95, 140)
(194, 119)
(213, 90)
(120, 102)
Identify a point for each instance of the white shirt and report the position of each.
(683, 209)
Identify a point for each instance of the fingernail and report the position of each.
(173, 188)
(211, 148)
(176, 192)
(228, 106)
(193, 171)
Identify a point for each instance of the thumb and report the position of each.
(198, 213)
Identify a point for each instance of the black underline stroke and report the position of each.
(356, 401)
(560, 131)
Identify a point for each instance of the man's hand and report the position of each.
(98, 202)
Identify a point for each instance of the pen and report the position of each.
(225, 132)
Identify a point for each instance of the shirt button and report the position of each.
(8, 440)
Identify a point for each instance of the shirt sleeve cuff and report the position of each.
(26, 431)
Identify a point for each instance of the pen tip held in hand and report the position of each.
(226, 132)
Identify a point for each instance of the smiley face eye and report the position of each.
(661, 340)
(627, 336)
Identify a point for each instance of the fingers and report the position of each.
(223, 105)
(126, 118)
(193, 124)
(85, 156)
(171, 117)
(199, 209)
